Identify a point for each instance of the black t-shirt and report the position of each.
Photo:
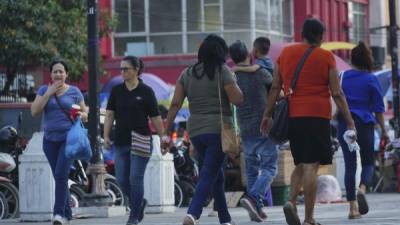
(132, 110)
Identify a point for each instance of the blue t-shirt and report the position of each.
(266, 63)
(363, 94)
(56, 124)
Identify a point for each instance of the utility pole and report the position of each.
(96, 168)
(393, 52)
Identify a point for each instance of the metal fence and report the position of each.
(20, 91)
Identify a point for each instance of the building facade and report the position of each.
(158, 27)
(167, 34)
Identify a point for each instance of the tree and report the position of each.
(35, 32)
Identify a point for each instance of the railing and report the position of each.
(20, 91)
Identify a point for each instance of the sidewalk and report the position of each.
(384, 210)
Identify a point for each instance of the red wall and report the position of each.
(105, 42)
(333, 13)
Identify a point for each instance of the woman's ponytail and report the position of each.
(361, 57)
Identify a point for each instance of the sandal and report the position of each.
(362, 203)
(291, 214)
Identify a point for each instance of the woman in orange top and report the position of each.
(309, 113)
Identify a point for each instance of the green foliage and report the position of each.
(35, 32)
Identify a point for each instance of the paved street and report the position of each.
(384, 210)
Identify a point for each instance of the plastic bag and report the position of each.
(7, 163)
(77, 146)
(328, 189)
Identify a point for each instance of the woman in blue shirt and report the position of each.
(56, 126)
(365, 100)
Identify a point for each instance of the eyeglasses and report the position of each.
(125, 69)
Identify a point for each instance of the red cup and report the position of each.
(74, 111)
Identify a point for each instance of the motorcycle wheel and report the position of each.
(188, 192)
(3, 207)
(117, 195)
(76, 195)
(10, 193)
(178, 192)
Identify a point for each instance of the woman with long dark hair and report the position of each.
(199, 83)
(365, 99)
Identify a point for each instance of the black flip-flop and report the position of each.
(362, 203)
(291, 214)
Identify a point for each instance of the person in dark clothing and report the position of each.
(261, 154)
(131, 104)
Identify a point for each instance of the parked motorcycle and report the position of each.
(186, 173)
(10, 150)
(79, 187)
(3, 206)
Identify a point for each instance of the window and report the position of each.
(262, 14)
(212, 15)
(167, 44)
(276, 15)
(287, 22)
(359, 29)
(130, 45)
(165, 16)
(236, 14)
(164, 29)
(193, 15)
(122, 14)
(137, 15)
(231, 37)
(194, 41)
(130, 14)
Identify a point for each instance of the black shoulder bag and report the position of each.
(279, 132)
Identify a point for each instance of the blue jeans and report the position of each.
(261, 166)
(60, 166)
(366, 139)
(211, 177)
(129, 170)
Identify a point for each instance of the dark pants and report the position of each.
(211, 178)
(60, 166)
(365, 138)
(129, 170)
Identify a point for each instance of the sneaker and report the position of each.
(230, 223)
(249, 204)
(213, 213)
(59, 220)
(262, 214)
(141, 213)
(190, 220)
(132, 221)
